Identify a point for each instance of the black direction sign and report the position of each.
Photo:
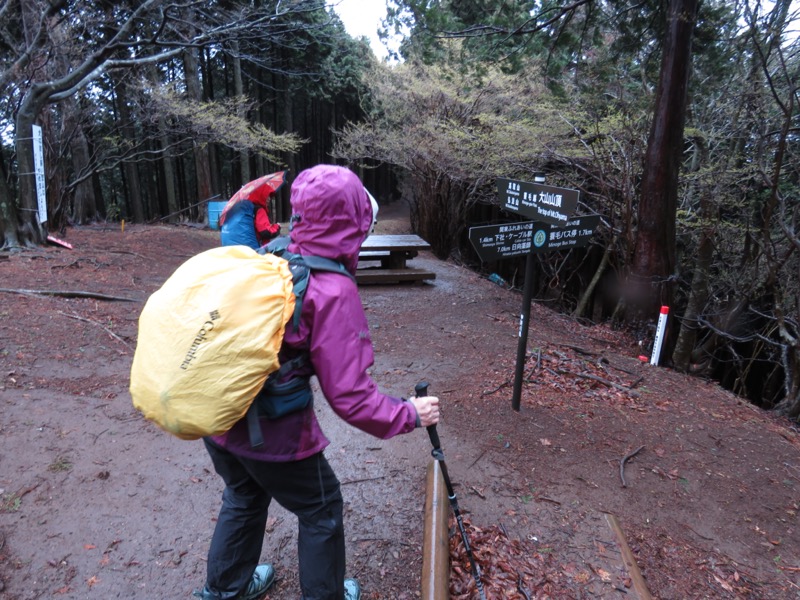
(537, 201)
(495, 242)
(575, 233)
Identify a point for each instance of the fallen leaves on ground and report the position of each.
(510, 569)
(578, 368)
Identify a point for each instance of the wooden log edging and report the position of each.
(639, 583)
(435, 545)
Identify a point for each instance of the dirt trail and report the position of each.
(99, 504)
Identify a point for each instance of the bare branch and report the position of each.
(68, 294)
(24, 59)
(523, 29)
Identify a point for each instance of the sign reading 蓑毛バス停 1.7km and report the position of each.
(495, 242)
(537, 201)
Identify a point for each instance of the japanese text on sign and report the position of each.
(494, 242)
(547, 203)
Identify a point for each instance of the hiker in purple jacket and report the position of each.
(331, 218)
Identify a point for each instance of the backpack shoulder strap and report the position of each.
(318, 263)
(277, 246)
(301, 267)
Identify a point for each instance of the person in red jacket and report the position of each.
(332, 215)
(265, 229)
(245, 219)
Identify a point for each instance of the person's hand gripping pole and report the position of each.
(427, 407)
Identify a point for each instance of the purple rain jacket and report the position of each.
(331, 218)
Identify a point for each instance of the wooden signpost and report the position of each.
(555, 228)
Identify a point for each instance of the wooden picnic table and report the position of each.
(392, 253)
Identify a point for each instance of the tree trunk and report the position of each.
(790, 405)
(194, 90)
(168, 168)
(238, 89)
(166, 158)
(25, 223)
(32, 104)
(698, 296)
(80, 195)
(130, 170)
(282, 209)
(580, 309)
(8, 227)
(84, 207)
(782, 292)
(653, 265)
(212, 149)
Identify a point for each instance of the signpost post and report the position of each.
(554, 229)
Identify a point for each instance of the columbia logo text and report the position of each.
(201, 337)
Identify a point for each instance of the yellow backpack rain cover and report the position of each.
(208, 339)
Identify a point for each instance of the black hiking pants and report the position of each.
(309, 489)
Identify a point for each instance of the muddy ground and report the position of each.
(97, 503)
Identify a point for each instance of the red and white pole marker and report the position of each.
(657, 343)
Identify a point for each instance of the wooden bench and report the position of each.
(392, 252)
(380, 256)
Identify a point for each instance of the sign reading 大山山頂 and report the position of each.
(537, 201)
(495, 242)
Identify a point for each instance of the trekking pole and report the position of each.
(421, 389)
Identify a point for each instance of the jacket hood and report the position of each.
(331, 214)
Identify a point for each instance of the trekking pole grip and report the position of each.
(421, 389)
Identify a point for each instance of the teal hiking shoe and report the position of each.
(263, 578)
(352, 591)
